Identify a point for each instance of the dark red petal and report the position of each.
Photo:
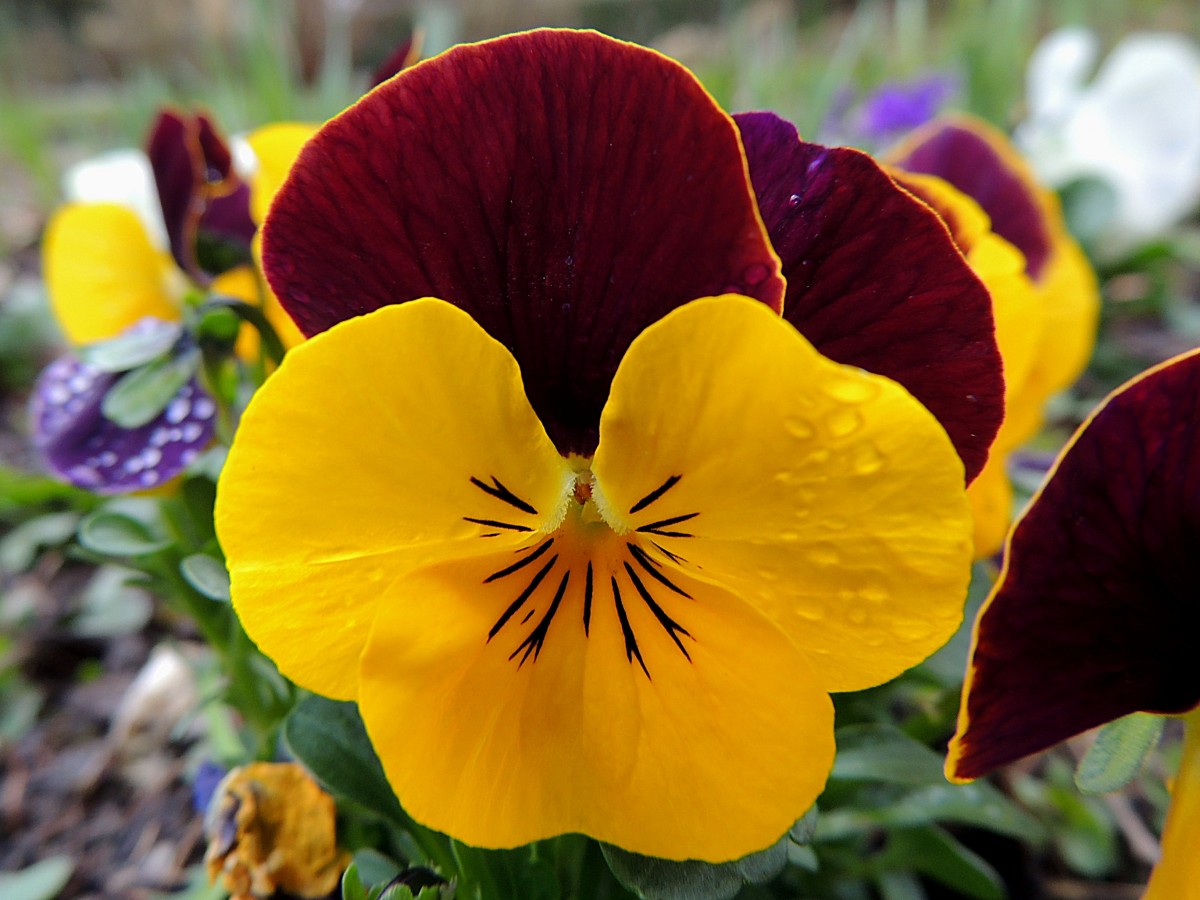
(967, 154)
(202, 198)
(405, 55)
(565, 189)
(874, 280)
(1096, 613)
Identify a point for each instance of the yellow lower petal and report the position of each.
(825, 496)
(709, 754)
(385, 443)
(103, 273)
(1177, 876)
(1071, 304)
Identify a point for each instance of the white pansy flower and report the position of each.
(123, 177)
(1135, 126)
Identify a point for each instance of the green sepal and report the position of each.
(129, 351)
(1117, 755)
(141, 395)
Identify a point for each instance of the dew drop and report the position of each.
(794, 200)
(867, 459)
(755, 274)
(852, 390)
(799, 428)
(177, 410)
(192, 431)
(844, 422)
(151, 456)
(149, 478)
(203, 408)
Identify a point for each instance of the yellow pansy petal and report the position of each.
(242, 284)
(103, 273)
(1071, 299)
(392, 440)
(1177, 876)
(275, 148)
(826, 496)
(553, 726)
(991, 497)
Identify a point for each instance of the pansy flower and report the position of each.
(1047, 342)
(588, 530)
(115, 266)
(1094, 615)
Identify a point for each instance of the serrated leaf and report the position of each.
(111, 533)
(141, 395)
(207, 575)
(886, 754)
(328, 737)
(128, 351)
(650, 878)
(1117, 755)
(42, 881)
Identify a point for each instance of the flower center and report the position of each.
(587, 560)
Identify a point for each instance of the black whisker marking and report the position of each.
(654, 494)
(673, 557)
(500, 492)
(533, 643)
(528, 616)
(521, 563)
(631, 647)
(655, 571)
(587, 601)
(666, 523)
(524, 595)
(491, 534)
(673, 628)
(492, 523)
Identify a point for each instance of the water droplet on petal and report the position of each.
(867, 459)
(844, 422)
(799, 428)
(852, 390)
(794, 200)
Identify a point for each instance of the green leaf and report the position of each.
(145, 392)
(128, 351)
(111, 533)
(207, 575)
(650, 878)
(329, 738)
(375, 868)
(884, 753)
(352, 886)
(112, 605)
(1116, 756)
(20, 547)
(935, 853)
(42, 881)
(899, 886)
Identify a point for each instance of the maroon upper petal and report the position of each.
(206, 207)
(874, 280)
(1096, 614)
(565, 189)
(979, 162)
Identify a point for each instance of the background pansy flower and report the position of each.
(563, 533)
(1094, 615)
(979, 161)
(109, 275)
(1135, 126)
